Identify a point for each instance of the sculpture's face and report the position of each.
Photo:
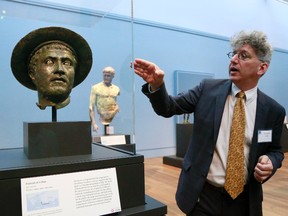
(107, 78)
(53, 72)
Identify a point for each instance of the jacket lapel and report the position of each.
(219, 106)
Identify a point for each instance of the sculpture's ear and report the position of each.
(31, 74)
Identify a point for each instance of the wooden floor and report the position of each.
(161, 182)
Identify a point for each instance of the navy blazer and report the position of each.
(207, 101)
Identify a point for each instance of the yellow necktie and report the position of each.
(234, 183)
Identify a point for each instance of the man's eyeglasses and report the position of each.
(241, 55)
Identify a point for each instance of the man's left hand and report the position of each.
(263, 168)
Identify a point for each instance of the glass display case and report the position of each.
(109, 36)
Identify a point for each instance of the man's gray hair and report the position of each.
(257, 40)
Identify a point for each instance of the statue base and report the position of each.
(55, 139)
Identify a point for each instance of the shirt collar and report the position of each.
(250, 94)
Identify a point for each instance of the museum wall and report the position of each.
(172, 47)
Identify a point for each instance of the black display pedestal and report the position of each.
(183, 136)
(14, 165)
(54, 139)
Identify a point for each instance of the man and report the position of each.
(52, 61)
(103, 97)
(204, 187)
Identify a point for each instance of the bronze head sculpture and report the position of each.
(52, 61)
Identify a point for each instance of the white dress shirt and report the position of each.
(217, 171)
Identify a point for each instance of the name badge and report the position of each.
(264, 136)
